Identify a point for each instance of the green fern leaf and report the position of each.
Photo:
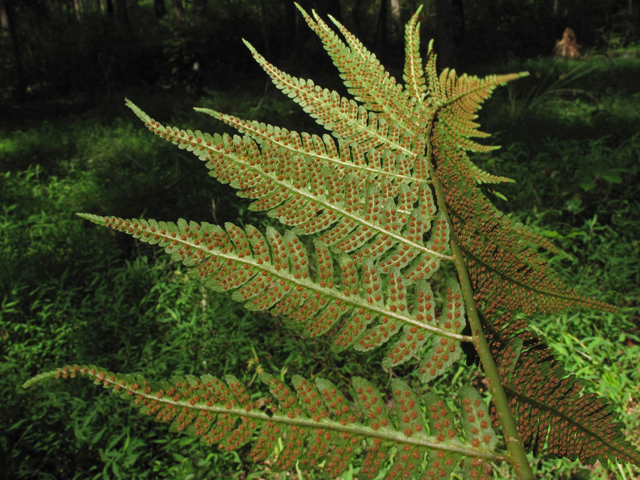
(458, 98)
(343, 157)
(272, 273)
(345, 118)
(555, 417)
(317, 425)
(368, 81)
(363, 217)
(444, 352)
(413, 69)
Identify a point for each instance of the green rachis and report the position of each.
(389, 198)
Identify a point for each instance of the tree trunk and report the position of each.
(110, 8)
(449, 31)
(395, 10)
(265, 33)
(10, 12)
(122, 17)
(178, 10)
(159, 8)
(4, 20)
(77, 6)
(381, 30)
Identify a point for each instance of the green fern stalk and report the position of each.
(366, 193)
(513, 441)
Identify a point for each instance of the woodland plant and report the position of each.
(389, 200)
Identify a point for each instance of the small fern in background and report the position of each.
(389, 199)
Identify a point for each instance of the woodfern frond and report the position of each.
(457, 99)
(364, 218)
(555, 417)
(272, 274)
(343, 158)
(413, 69)
(347, 120)
(502, 256)
(510, 277)
(368, 81)
(368, 195)
(316, 424)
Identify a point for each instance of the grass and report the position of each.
(72, 293)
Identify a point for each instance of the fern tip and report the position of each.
(209, 111)
(39, 378)
(302, 10)
(249, 46)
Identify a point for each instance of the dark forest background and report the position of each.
(55, 48)
(71, 292)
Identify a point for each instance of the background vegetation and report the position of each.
(72, 293)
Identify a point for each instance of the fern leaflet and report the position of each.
(317, 425)
(273, 274)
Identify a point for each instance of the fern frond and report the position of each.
(347, 120)
(317, 425)
(343, 158)
(367, 80)
(413, 69)
(273, 274)
(502, 258)
(509, 276)
(555, 417)
(443, 351)
(457, 99)
(368, 194)
(302, 192)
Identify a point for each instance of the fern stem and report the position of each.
(517, 455)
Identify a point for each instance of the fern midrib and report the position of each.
(255, 132)
(399, 238)
(534, 403)
(517, 455)
(318, 101)
(320, 290)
